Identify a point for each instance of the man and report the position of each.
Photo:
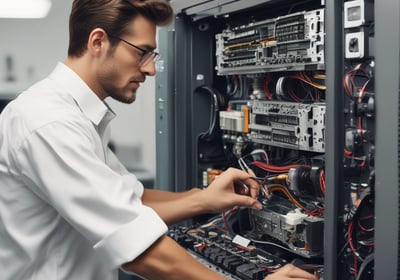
(68, 208)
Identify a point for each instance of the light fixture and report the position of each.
(24, 8)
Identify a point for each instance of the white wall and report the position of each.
(37, 45)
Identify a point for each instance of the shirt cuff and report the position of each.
(132, 239)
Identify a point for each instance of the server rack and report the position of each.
(189, 64)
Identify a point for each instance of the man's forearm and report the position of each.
(161, 195)
(174, 207)
(217, 197)
(165, 259)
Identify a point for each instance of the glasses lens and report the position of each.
(149, 56)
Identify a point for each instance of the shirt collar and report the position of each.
(89, 103)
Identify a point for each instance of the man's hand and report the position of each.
(233, 187)
(290, 271)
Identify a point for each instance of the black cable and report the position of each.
(213, 111)
(364, 266)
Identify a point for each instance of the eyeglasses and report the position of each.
(146, 56)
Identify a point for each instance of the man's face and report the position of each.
(121, 72)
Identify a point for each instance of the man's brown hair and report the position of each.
(113, 16)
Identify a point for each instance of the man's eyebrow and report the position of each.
(148, 47)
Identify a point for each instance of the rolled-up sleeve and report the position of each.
(115, 246)
(102, 204)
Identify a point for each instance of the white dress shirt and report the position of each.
(68, 208)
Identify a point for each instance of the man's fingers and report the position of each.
(247, 201)
(241, 188)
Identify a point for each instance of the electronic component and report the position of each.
(281, 220)
(293, 40)
(209, 175)
(288, 124)
(279, 123)
(358, 13)
(234, 120)
(358, 45)
(305, 180)
(219, 251)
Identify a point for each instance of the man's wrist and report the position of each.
(195, 190)
(199, 199)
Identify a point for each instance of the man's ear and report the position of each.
(97, 42)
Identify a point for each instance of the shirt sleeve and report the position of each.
(60, 163)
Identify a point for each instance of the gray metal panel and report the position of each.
(180, 5)
(334, 134)
(202, 9)
(165, 112)
(182, 61)
(387, 139)
(194, 68)
(228, 8)
(208, 6)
